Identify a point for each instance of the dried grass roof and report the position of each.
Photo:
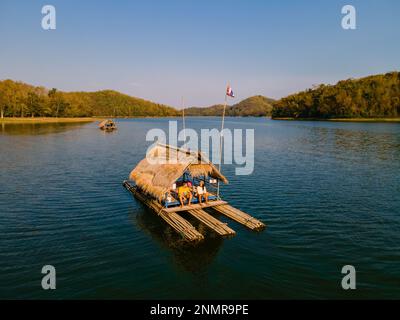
(165, 164)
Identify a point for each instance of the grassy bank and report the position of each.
(343, 119)
(47, 120)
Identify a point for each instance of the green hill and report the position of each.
(212, 111)
(18, 99)
(257, 106)
(371, 97)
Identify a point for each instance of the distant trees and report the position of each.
(212, 111)
(371, 97)
(7, 97)
(18, 99)
(257, 106)
(57, 104)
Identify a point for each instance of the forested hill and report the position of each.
(371, 97)
(18, 99)
(212, 111)
(257, 106)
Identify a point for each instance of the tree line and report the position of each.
(18, 99)
(370, 97)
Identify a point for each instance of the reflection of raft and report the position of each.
(165, 167)
(107, 125)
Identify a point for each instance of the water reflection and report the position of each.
(343, 142)
(381, 145)
(38, 128)
(191, 258)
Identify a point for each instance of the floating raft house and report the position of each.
(107, 125)
(155, 180)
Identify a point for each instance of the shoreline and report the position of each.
(373, 120)
(18, 120)
(38, 120)
(47, 120)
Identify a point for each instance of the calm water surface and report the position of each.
(329, 193)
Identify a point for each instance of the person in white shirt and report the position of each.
(202, 192)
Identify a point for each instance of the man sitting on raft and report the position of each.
(184, 194)
(202, 192)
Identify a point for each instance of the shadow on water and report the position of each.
(37, 128)
(191, 258)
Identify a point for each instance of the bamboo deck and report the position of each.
(187, 230)
(219, 227)
(240, 217)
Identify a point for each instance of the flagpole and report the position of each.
(221, 139)
(183, 118)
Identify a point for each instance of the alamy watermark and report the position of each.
(49, 20)
(49, 280)
(229, 147)
(349, 21)
(349, 280)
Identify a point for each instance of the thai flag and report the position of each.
(229, 92)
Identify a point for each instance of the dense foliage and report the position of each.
(257, 106)
(371, 97)
(18, 99)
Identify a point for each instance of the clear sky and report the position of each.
(165, 49)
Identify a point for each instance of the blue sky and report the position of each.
(163, 50)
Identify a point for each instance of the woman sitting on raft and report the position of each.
(184, 193)
(202, 192)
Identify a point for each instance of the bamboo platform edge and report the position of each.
(186, 229)
(179, 224)
(214, 224)
(240, 217)
(196, 206)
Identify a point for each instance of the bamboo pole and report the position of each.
(240, 217)
(221, 141)
(211, 222)
(183, 119)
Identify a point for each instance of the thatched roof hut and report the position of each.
(107, 124)
(164, 165)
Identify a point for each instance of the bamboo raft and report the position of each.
(107, 125)
(179, 224)
(185, 228)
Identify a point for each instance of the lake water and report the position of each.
(329, 193)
